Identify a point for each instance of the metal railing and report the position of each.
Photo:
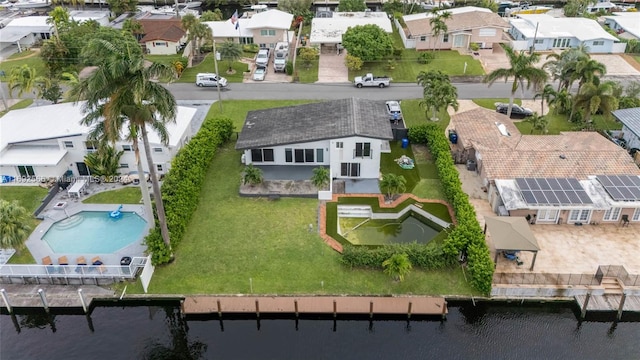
(615, 271)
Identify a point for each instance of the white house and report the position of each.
(626, 24)
(327, 31)
(630, 119)
(47, 141)
(265, 28)
(23, 32)
(550, 33)
(347, 135)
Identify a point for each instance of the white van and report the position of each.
(210, 79)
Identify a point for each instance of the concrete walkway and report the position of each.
(332, 69)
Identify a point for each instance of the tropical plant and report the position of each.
(105, 161)
(231, 52)
(547, 94)
(134, 27)
(595, 97)
(426, 58)
(397, 266)
(562, 102)
(320, 178)
(522, 69)
(122, 98)
(392, 184)
(588, 71)
(58, 17)
(630, 97)
(49, 88)
(23, 79)
(14, 225)
(308, 55)
(538, 122)
(563, 66)
(368, 42)
(437, 92)
(353, 62)
(252, 175)
(215, 15)
(352, 5)
(197, 32)
(55, 55)
(438, 25)
(119, 7)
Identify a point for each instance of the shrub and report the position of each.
(426, 58)
(467, 235)
(353, 63)
(397, 53)
(251, 48)
(288, 68)
(474, 46)
(428, 257)
(182, 184)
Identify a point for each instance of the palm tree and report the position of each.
(105, 161)
(437, 92)
(392, 184)
(14, 225)
(562, 66)
(522, 69)
(121, 95)
(561, 102)
(588, 71)
(57, 17)
(252, 175)
(547, 94)
(23, 79)
(320, 178)
(397, 266)
(231, 52)
(438, 25)
(593, 98)
(538, 122)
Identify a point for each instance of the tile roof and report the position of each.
(169, 30)
(313, 122)
(472, 19)
(569, 154)
(630, 118)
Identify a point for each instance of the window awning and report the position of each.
(32, 157)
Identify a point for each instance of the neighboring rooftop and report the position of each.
(468, 17)
(330, 30)
(314, 122)
(165, 29)
(630, 118)
(544, 26)
(629, 21)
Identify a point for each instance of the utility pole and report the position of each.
(215, 64)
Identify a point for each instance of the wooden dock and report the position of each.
(609, 302)
(295, 305)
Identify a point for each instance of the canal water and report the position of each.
(485, 331)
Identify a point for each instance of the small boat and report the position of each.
(26, 4)
(525, 8)
(189, 4)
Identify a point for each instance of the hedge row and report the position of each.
(466, 235)
(182, 184)
(427, 257)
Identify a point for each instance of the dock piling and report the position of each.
(409, 310)
(335, 309)
(371, 310)
(295, 305)
(257, 309)
(583, 313)
(621, 307)
(444, 310)
(43, 297)
(84, 304)
(219, 309)
(5, 298)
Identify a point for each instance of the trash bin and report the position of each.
(405, 143)
(471, 165)
(453, 136)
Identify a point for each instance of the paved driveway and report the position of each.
(332, 69)
(616, 65)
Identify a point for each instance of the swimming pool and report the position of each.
(94, 232)
(361, 231)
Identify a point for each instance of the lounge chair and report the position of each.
(99, 265)
(96, 261)
(62, 260)
(47, 260)
(81, 262)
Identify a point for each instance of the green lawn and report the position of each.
(388, 164)
(237, 110)
(559, 123)
(413, 114)
(128, 195)
(637, 57)
(232, 240)
(490, 103)
(33, 61)
(307, 75)
(20, 105)
(164, 59)
(207, 66)
(20, 55)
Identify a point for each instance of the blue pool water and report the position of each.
(94, 232)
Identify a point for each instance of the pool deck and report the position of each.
(40, 248)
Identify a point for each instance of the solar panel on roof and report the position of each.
(621, 187)
(540, 198)
(635, 191)
(573, 198)
(625, 193)
(584, 197)
(635, 180)
(616, 181)
(626, 180)
(553, 199)
(575, 184)
(528, 197)
(553, 183)
(544, 184)
(562, 197)
(522, 184)
(615, 194)
(564, 184)
(533, 184)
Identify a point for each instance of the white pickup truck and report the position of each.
(370, 80)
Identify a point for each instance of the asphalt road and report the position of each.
(286, 91)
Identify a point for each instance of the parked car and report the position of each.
(259, 74)
(262, 59)
(393, 110)
(370, 80)
(280, 61)
(210, 79)
(517, 112)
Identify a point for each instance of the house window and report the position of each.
(487, 32)
(598, 43)
(68, 144)
(445, 38)
(581, 216)
(160, 43)
(262, 155)
(160, 167)
(267, 33)
(157, 150)
(124, 166)
(350, 169)
(547, 215)
(561, 43)
(308, 155)
(319, 155)
(539, 41)
(423, 38)
(246, 40)
(304, 155)
(263, 46)
(288, 155)
(127, 148)
(339, 144)
(91, 145)
(299, 155)
(363, 150)
(612, 214)
(636, 215)
(26, 171)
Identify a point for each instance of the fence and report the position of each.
(408, 43)
(68, 274)
(615, 271)
(47, 199)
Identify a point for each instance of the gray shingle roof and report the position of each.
(630, 118)
(313, 122)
